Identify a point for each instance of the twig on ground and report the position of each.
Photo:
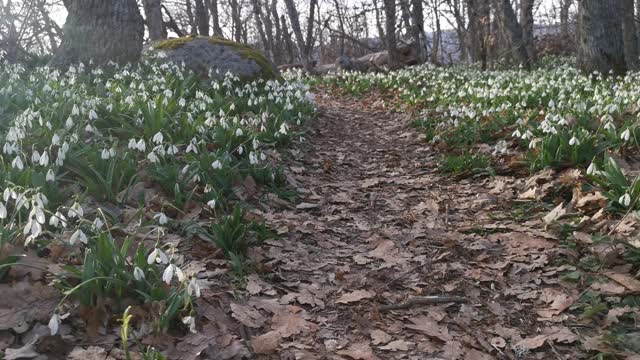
(426, 300)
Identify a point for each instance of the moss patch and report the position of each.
(267, 70)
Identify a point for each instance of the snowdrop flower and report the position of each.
(167, 275)
(157, 256)
(132, 144)
(142, 146)
(162, 218)
(105, 154)
(625, 200)
(191, 322)
(216, 164)
(44, 159)
(158, 138)
(626, 135)
(75, 211)
(3, 211)
(138, 274)
(17, 163)
(212, 203)
(98, 223)
(592, 169)
(516, 134)
(54, 324)
(574, 141)
(75, 110)
(193, 288)
(58, 220)
(78, 236)
(92, 114)
(239, 132)
(182, 102)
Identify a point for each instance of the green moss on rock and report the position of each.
(267, 70)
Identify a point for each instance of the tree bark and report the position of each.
(515, 34)
(601, 46)
(390, 29)
(564, 18)
(294, 19)
(527, 23)
(417, 14)
(202, 18)
(237, 21)
(215, 17)
(630, 36)
(257, 15)
(101, 31)
(153, 15)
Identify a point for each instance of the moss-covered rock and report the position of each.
(216, 56)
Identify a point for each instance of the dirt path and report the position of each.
(377, 228)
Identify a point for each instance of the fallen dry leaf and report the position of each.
(359, 351)
(380, 337)
(398, 345)
(430, 327)
(355, 296)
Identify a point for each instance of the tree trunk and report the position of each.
(101, 31)
(153, 14)
(257, 15)
(406, 15)
(236, 20)
(527, 22)
(515, 34)
(215, 17)
(381, 34)
(437, 35)
(564, 18)
(390, 29)
(202, 18)
(192, 19)
(341, 25)
(417, 14)
(601, 46)
(630, 36)
(294, 19)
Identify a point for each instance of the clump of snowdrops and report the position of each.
(77, 142)
(557, 116)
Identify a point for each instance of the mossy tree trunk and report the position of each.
(101, 31)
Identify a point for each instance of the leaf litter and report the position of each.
(376, 227)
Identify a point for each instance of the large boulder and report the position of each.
(215, 56)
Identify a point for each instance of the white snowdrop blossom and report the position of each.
(78, 235)
(161, 218)
(625, 200)
(191, 322)
(216, 165)
(167, 275)
(157, 256)
(138, 274)
(574, 141)
(626, 135)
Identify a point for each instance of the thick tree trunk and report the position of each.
(202, 18)
(527, 22)
(630, 36)
(515, 34)
(601, 45)
(479, 14)
(153, 15)
(215, 17)
(390, 29)
(101, 31)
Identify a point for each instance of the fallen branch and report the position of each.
(426, 300)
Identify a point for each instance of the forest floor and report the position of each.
(384, 258)
(381, 257)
